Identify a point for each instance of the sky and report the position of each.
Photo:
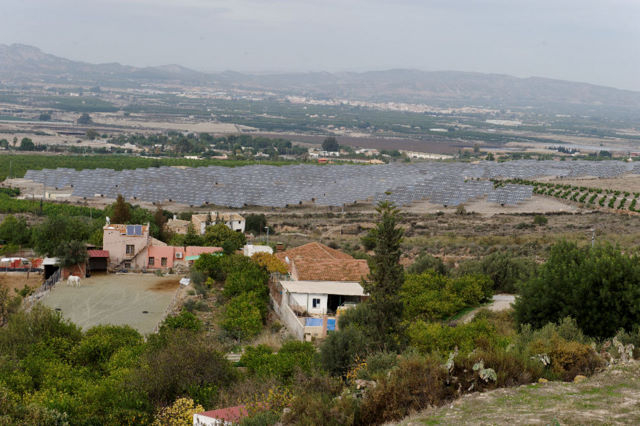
(594, 41)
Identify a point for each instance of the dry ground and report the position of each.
(611, 397)
(138, 300)
(17, 280)
(629, 183)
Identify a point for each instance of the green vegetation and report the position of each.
(595, 286)
(19, 164)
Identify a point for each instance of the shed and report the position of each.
(50, 265)
(98, 260)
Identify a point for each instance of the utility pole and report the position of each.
(267, 228)
(593, 237)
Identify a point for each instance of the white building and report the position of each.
(250, 249)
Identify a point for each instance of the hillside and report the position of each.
(610, 397)
(21, 63)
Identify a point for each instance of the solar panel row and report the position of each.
(449, 184)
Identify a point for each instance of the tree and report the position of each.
(48, 236)
(330, 144)
(242, 317)
(598, 287)
(121, 211)
(85, 119)
(27, 144)
(180, 413)
(45, 116)
(91, 134)
(15, 231)
(216, 235)
(192, 238)
(255, 223)
(71, 253)
(387, 276)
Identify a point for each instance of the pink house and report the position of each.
(131, 247)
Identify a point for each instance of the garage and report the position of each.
(98, 260)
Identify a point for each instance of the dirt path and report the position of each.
(610, 397)
(501, 302)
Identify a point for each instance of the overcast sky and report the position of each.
(596, 41)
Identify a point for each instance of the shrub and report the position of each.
(505, 270)
(425, 263)
(185, 320)
(270, 262)
(430, 296)
(182, 363)
(440, 338)
(293, 356)
(101, 342)
(417, 383)
(242, 317)
(179, 413)
(540, 220)
(340, 350)
(597, 287)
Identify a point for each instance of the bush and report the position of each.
(185, 320)
(540, 220)
(505, 270)
(417, 383)
(597, 287)
(182, 363)
(341, 349)
(101, 342)
(243, 317)
(431, 296)
(439, 338)
(293, 356)
(425, 263)
(251, 278)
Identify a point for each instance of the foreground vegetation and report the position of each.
(399, 352)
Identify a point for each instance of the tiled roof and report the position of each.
(317, 262)
(230, 414)
(98, 253)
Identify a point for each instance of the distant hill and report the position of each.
(445, 88)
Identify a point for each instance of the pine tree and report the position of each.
(121, 211)
(386, 277)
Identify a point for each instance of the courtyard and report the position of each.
(137, 300)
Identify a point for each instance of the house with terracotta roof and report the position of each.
(321, 283)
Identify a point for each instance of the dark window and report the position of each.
(163, 261)
(152, 261)
(316, 303)
(130, 248)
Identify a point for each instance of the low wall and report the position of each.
(289, 318)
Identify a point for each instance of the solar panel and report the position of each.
(335, 185)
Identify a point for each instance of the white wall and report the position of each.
(306, 301)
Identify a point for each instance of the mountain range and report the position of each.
(22, 63)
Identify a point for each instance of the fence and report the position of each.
(29, 301)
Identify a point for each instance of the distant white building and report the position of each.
(250, 249)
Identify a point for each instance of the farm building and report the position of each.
(131, 247)
(200, 222)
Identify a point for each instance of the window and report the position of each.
(316, 303)
(152, 261)
(130, 248)
(163, 261)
